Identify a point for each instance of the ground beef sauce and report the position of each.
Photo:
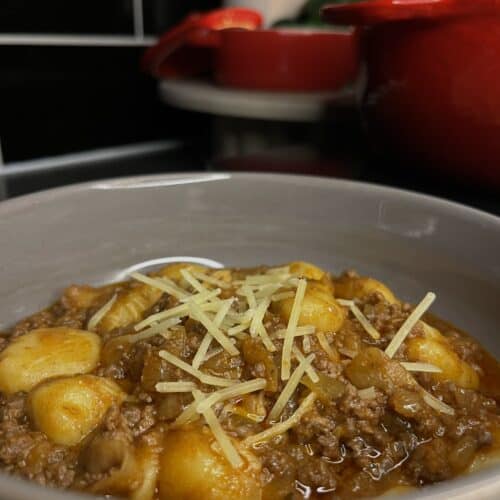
(103, 392)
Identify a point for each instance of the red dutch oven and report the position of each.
(230, 44)
(433, 80)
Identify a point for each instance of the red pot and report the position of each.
(285, 59)
(433, 80)
(229, 44)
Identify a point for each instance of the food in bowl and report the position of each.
(271, 382)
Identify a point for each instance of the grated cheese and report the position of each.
(311, 372)
(290, 387)
(197, 314)
(323, 342)
(299, 331)
(231, 392)
(345, 303)
(175, 386)
(201, 353)
(222, 312)
(290, 330)
(202, 377)
(153, 330)
(370, 329)
(437, 404)
(193, 281)
(238, 329)
(279, 270)
(258, 316)
(179, 311)
(306, 344)
(266, 291)
(266, 339)
(368, 393)
(282, 296)
(222, 438)
(100, 313)
(189, 414)
(263, 279)
(201, 297)
(282, 427)
(421, 367)
(410, 322)
(210, 279)
(247, 292)
(163, 284)
(258, 328)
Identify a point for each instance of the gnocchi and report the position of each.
(191, 469)
(435, 349)
(319, 308)
(131, 305)
(68, 409)
(347, 287)
(45, 353)
(306, 270)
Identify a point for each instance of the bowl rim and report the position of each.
(483, 484)
(201, 176)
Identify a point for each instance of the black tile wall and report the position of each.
(55, 100)
(159, 15)
(63, 16)
(61, 99)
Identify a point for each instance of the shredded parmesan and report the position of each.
(175, 386)
(210, 279)
(267, 290)
(158, 328)
(99, 314)
(421, 367)
(282, 427)
(410, 322)
(299, 331)
(201, 297)
(258, 328)
(231, 392)
(258, 316)
(263, 279)
(201, 353)
(290, 330)
(193, 281)
(247, 292)
(311, 372)
(345, 303)
(437, 404)
(368, 393)
(197, 314)
(323, 342)
(202, 377)
(189, 414)
(284, 270)
(163, 284)
(222, 438)
(370, 329)
(282, 296)
(177, 311)
(289, 388)
(222, 312)
(306, 344)
(238, 329)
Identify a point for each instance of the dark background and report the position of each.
(60, 99)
